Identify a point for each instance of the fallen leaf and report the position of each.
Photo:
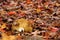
(23, 24)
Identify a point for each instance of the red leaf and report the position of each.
(11, 13)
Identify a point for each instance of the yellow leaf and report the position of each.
(8, 37)
(3, 25)
(46, 6)
(5, 36)
(38, 10)
(23, 25)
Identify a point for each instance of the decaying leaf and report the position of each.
(33, 38)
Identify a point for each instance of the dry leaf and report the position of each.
(38, 10)
(3, 25)
(8, 37)
(23, 24)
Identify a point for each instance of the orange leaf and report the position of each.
(11, 13)
(54, 29)
(28, 1)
